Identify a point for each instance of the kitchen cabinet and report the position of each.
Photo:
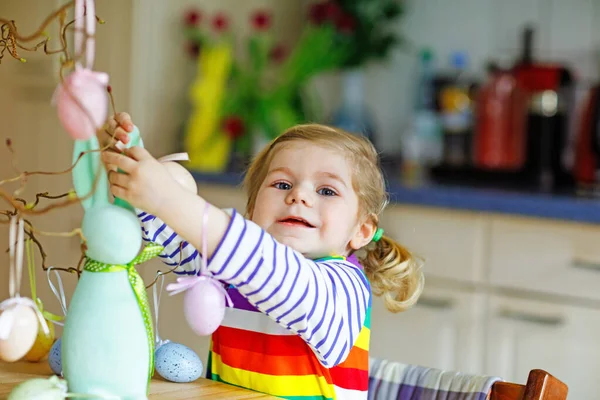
(444, 330)
(562, 339)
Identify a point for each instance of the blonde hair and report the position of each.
(394, 273)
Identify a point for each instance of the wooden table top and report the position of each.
(11, 374)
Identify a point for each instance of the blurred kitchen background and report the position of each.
(486, 114)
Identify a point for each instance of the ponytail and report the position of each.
(394, 273)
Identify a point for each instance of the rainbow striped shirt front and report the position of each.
(299, 328)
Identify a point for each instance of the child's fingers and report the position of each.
(124, 120)
(121, 161)
(121, 134)
(138, 153)
(118, 179)
(119, 192)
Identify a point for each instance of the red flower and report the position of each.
(325, 11)
(261, 20)
(234, 127)
(220, 22)
(278, 53)
(193, 17)
(317, 14)
(332, 11)
(345, 24)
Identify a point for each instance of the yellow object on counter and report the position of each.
(209, 149)
(42, 345)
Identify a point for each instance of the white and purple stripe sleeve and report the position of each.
(176, 249)
(325, 303)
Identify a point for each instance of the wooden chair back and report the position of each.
(540, 386)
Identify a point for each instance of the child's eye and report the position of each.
(327, 192)
(282, 185)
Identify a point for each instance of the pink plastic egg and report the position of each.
(204, 307)
(23, 332)
(86, 89)
(181, 175)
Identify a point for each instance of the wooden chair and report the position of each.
(390, 380)
(540, 386)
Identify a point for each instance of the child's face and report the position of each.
(307, 202)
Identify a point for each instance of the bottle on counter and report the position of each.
(456, 108)
(422, 145)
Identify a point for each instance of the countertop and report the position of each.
(530, 204)
(11, 374)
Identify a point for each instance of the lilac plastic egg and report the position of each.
(204, 307)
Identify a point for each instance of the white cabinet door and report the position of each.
(562, 340)
(444, 330)
(451, 242)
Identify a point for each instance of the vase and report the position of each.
(353, 115)
(105, 346)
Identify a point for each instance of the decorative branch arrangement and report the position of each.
(14, 43)
(110, 296)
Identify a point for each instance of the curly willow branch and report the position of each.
(12, 41)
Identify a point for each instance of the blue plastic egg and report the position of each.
(54, 357)
(177, 363)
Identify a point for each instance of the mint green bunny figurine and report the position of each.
(108, 339)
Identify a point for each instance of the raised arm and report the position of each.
(325, 303)
(177, 251)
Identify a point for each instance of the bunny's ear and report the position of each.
(85, 171)
(135, 139)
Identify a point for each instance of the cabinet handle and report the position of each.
(435, 303)
(517, 315)
(583, 264)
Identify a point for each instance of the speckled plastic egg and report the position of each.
(177, 363)
(54, 357)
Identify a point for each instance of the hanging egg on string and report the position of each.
(82, 102)
(55, 354)
(175, 362)
(23, 329)
(55, 358)
(204, 299)
(181, 175)
(204, 307)
(43, 343)
(20, 315)
(46, 337)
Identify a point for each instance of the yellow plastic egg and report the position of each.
(181, 175)
(24, 329)
(43, 343)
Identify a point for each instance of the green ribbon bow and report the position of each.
(137, 284)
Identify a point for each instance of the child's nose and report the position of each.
(298, 195)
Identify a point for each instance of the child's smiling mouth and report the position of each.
(295, 222)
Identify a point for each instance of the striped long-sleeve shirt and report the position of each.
(299, 328)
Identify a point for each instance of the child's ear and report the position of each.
(364, 233)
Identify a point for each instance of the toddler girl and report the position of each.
(299, 266)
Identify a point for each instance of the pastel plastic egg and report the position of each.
(82, 103)
(113, 234)
(22, 335)
(177, 363)
(204, 307)
(55, 357)
(181, 175)
(52, 388)
(43, 343)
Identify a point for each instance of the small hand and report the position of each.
(145, 183)
(116, 129)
